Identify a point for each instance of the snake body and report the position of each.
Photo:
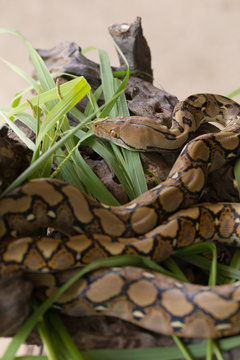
(156, 224)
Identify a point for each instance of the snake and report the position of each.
(159, 222)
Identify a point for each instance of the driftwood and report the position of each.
(143, 99)
(14, 158)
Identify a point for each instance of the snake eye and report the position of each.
(113, 133)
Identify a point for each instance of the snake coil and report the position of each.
(156, 224)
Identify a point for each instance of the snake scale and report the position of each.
(159, 222)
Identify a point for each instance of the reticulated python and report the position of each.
(156, 224)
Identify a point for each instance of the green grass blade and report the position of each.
(235, 265)
(108, 87)
(31, 357)
(174, 268)
(217, 350)
(88, 49)
(73, 96)
(237, 173)
(235, 261)
(18, 96)
(209, 350)
(90, 183)
(77, 114)
(184, 350)
(19, 132)
(41, 69)
(190, 251)
(205, 264)
(58, 326)
(29, 121)
(136, 172)
(107, 79)
(45, 97)
(46, 340)
(111, 159)
(67, 172)
(23, 74)
(132, 158)
(93, 99)
(234, 93)
(95, 187)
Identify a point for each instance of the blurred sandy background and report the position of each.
(195, 45)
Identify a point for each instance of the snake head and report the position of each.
(112, 129)
(106, 129)
(126, 131)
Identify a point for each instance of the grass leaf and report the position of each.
(19, 132)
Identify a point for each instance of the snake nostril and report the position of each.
(158, 108)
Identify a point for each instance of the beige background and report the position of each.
(195, 44)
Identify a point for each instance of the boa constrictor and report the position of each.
(155, 224)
